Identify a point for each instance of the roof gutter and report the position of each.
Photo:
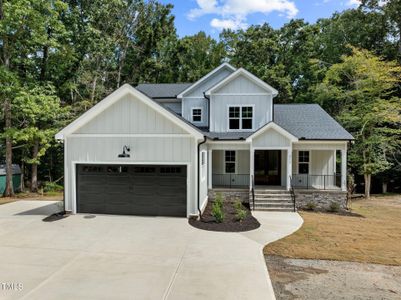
(199, 166)
(208, 109)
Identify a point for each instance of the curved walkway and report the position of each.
(125, 257)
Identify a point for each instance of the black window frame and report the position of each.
(198, 115)
(239, 115)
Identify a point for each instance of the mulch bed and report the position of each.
(229, 224)
(346, 213)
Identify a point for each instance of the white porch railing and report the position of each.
(230, 180)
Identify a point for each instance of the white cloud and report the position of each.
(234, 13)
(353, 2)
(221, 24)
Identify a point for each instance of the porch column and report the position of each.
(209, 169)
(344, 169)
(251, 166)
(289, 167)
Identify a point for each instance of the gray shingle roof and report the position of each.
(162, 90)
(228, 135)
(309, 121)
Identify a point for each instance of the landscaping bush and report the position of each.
(334, 207)
(310, 206)
(237, 204)
(52, 187)
(217, 212)
(219, 200)
(240, 214)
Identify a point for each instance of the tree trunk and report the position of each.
(34, 175)
(367, 185)
(7, 118)
(22, 176)
(93, 93)
(8, 192)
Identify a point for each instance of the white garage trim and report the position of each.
(74, 175)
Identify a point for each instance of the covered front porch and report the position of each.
(273, 162)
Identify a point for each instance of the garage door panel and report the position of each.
(137, 190)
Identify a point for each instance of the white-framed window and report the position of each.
(229, 161)
(203, 162)
(197, 114)
(240, 117)
(303, 162)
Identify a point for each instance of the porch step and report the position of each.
(269, 196)
(282, 209)
(273, 200)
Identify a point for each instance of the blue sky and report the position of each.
(212, 16)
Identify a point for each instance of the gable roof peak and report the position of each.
(224, 65)
(247, 74)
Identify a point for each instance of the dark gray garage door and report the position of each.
(150, 190)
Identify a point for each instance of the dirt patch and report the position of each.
(323, 279)
(230, 223)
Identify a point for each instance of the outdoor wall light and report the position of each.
(125, 150)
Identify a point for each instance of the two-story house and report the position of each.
(165, 149)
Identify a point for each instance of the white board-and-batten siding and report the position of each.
(153, 139)
(240, 91)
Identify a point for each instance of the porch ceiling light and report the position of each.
(125, 150)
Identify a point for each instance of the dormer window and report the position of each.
(240, 117)
(197, 114)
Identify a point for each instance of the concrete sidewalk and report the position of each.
(128, 257)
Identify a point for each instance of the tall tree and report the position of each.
(391, 10)
(364, 85)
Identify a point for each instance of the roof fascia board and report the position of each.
(126, 89)
(248, 75)
(211, 73)
(276, 127)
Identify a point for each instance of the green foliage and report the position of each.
(334, 207)
(310, 206)
(241, 214)
(237, 204)
(52, 187)
(219, 200)
(217, 212)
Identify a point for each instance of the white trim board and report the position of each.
(224, 65)
(274, 126)
(249, 76)
(124, 90)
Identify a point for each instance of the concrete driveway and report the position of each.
(128, 257)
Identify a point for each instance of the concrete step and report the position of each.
(274, 209)
(257, 201)
(265, 196)
(275, 205)
(271, 192)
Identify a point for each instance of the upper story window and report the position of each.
(240, 117)
(303, 162)
(197, 114)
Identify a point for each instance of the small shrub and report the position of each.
(219, 200)
(217, 212)
(52, 187)
(240, 214)
(237, 204)
(334, 207)
(310, 206)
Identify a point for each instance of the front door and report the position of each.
(267, 167)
